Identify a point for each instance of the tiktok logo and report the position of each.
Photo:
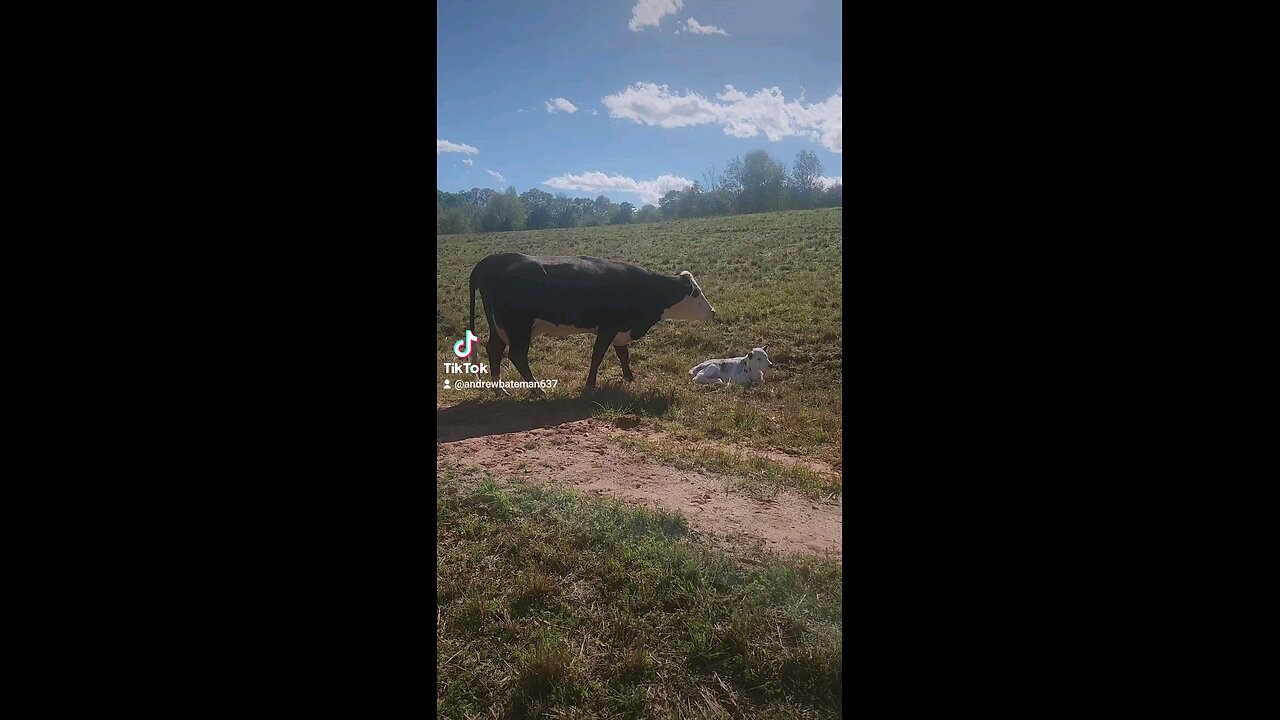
(458, 346)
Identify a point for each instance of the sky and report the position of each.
(631, 98)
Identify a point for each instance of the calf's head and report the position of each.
(691, 303)
(758, 360)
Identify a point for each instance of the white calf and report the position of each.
(740, 370)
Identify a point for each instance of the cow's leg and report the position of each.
(603, 340)
(624, 357)
(495, 348)
(520, 358)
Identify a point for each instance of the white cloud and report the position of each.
(593, 112)
(561, 104)
(597, 182)
(520, 110)
(696, 27)
(497, 175)
(740, 115)
(652, 104)
(827, 182)
(469, 161)
(651, 12)
(446, 146)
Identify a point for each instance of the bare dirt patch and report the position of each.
(550, 441)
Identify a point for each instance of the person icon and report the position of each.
(446, 383)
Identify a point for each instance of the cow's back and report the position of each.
(564, 277)
(507, 265)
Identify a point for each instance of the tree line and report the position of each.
(753, 184)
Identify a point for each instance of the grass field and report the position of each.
(773, 278)
(555, 604)
(550, 604)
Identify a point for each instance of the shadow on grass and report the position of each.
(477, 418)
(613, 400)
(499, 416)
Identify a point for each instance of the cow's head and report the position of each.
(692, 304)
(758, 360)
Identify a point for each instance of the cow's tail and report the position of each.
(472, 325)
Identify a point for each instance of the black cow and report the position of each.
(526, 296)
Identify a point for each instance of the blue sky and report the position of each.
(651, 106)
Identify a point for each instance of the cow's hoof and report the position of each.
(539, 394)
(628, 377)
(589, 391)
(501, 392)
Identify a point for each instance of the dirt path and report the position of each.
(553, 441)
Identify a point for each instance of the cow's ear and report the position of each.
(686, 273)
(764, 347)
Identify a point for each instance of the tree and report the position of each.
(540, 206)
(834, 196)
(711, 179)
(804, 179)
(479, 197)
(624, 214)
(668, 204)
(583, 209)
(648, 214)
(687, 205)
(601, 206)
(762, 180)
(453, 222)
(566, 215)
(451, 200)
(715, 204)
(504, 212)
(731, 181)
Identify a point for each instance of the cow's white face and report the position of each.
(758, 361)
(693, 306)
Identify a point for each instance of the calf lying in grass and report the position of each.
(748, 370)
